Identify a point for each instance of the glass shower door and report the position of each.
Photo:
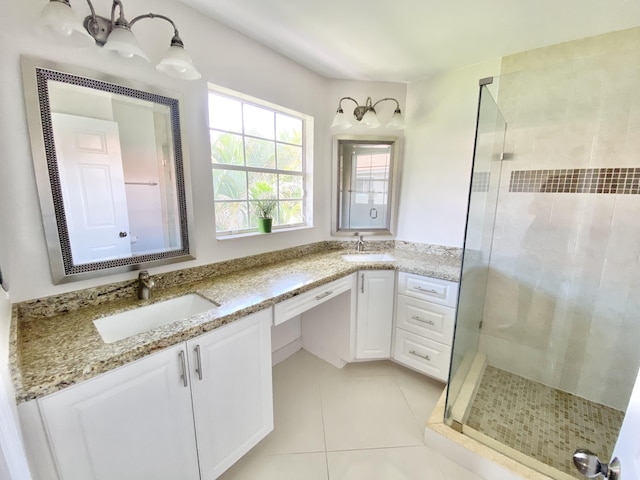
(483, 196)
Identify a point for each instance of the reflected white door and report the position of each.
(92, 182)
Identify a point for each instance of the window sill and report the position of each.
(232, 236)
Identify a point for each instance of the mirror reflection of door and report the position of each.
(92, 182)
(367, 188)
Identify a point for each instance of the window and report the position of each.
(258, 151)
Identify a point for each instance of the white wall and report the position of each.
(223, 56)
(441, 120)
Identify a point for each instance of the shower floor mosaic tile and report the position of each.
(542, 422)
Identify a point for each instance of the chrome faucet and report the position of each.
(145, 284)
(360, 244)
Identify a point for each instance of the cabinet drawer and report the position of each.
(430, 289)
(292, 307)
(425, 318)
(426, 356)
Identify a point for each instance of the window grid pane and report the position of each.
(268, 163)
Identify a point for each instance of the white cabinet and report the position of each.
(131, 423)
(425, 318)
(187, 412)
(232, 394)
(374, 318)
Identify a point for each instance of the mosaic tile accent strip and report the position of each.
(480, 181)
(577, 180)
(540, 421)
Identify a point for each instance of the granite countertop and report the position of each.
(50, 351)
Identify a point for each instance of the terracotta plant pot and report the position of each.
(264, 224)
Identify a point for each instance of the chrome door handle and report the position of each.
(198, 362)
(362, 283)
(428, 322)
(183, 367)
(325, 294)
(590, 465)
(424, 357)
(426, 290)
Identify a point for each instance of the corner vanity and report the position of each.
(188, 399)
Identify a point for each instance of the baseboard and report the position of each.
(285, 352)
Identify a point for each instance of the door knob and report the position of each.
(123, 234)
(590, 465)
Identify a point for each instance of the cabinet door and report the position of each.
(132, 423)
(232, 395)
(374, 318)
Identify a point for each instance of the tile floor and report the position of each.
(365, 421)
(542, 422)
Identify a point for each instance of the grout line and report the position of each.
(406, 400)
(324, 432)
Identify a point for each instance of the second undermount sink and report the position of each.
(122, 325)
(369, 257)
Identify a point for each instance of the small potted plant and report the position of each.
(264, 211)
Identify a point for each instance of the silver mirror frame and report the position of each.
(35, 73)
(394, 183)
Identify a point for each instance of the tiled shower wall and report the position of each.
(563, 296)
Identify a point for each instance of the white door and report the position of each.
(92, 183)
(374, 318)
(133, 423)
(232, 394)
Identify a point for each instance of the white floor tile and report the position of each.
(406, 463)
(367, 412)
(307, 466)
(364, 421)
(422, 393)
(298, 424)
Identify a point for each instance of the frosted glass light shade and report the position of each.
(58, 20)
(340, 121)
(177, 63)
(123, 42)
(397, 121)
(370, 119)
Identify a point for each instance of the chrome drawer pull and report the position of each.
(425, 290)
(198, 362)
(325, 294)
(424, 357)
(183, 368)
(428, 322)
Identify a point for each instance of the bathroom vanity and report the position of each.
(195, 395)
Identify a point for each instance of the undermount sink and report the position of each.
(369, 257)
(122, 325)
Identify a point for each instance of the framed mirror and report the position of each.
(365, 185)
(109, 165)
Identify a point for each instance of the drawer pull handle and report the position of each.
(183, 368)
(424, 357)
(198, 362)
(425, 290)
(428, 322)
(325, 294)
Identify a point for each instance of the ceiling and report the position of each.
(406, 40)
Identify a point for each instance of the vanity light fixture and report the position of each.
(114, 34)
(366, 115)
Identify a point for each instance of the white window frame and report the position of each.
(307, 161)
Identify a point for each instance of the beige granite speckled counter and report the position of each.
(55, 344)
